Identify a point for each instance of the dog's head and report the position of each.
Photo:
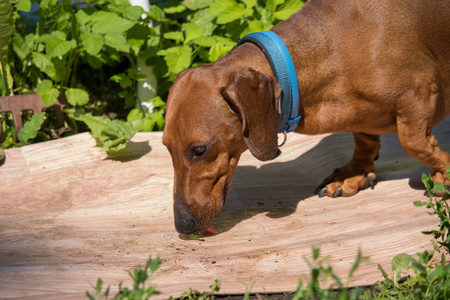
(213, 115)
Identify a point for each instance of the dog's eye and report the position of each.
(199, 150)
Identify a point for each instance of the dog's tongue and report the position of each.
(211, 230)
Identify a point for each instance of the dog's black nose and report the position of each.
(186, 226)
(184, 221)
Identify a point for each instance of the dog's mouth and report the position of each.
(207, 228)
(211, 230)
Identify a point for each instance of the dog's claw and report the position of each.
(370, 182)
(323, 192)
(337, 193)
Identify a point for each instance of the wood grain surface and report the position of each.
(70, 214)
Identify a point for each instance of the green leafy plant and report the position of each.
(321, 272)
(141, 289)
(439, 208)
(87, 54)
(50, 57)
(31, 128)
(6, 30)
(196, 295)
(209, 30)
(431, 279)
(111, 135)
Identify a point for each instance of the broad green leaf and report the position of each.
(109, 22)
(428, 182)
(254, 26)
(44, 64)
(197, 4)
(116, 134)
(23, 5)
(56, 44)
(272, 4)
(95, 124)
(149, 53)
(400, 262)
(419, 203)
(131, 12)
(113, 135)
(22, 46)
(117, 129)
(217, 51)
(117, 41)
(156, 13)
(159, 119)
(174, 35)
(47, 92)
(31, 128)
(140, 32)
(148, 123)
(288, 9)
(175, 9)
(205, 41)
(225, 41)
(439, 187)
(77, 96)
(91, 42)
(176, 49)
(82, 17)
(154, 264)
(158, 102)
(192, 32)
(249, 3)
(177, 62)
(123, 79)
(60, 69)
(204, 19)
(135, 117)
(233, 13)
(218, 6)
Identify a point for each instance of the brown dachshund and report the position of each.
(369, 67)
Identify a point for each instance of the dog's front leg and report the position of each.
(358, 174)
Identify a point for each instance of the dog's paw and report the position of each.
(343, 183)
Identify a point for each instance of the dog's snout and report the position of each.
(184, 221)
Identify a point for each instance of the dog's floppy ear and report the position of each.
(254, 97)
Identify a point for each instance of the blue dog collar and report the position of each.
(283, 67)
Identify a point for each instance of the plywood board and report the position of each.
(70, 214)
